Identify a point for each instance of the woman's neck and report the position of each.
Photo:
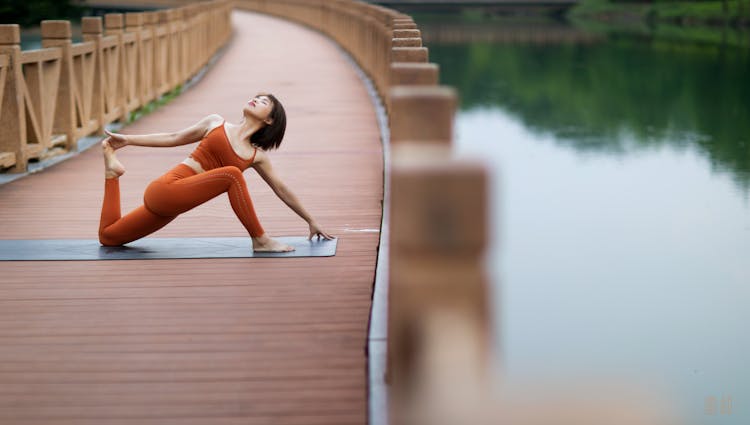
(247, 127)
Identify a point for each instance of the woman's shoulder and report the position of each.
(260, 156)
(212, 121)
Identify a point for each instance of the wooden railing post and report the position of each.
(422, 114)
(12, 114)
(175, 49)
(149, 57)
(404, 25)
(189, 45)
(407, 42)
(414, 74)
(92, 30)
(199, 37)
(132, 46)
(438, 234)
(411, 74)
(409, 54)
(161, 53)
(114, 25)
(407, 33)
(182, 45)
(58, 34)
(438, 228)
(206, 33)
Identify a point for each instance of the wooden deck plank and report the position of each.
(224, 341)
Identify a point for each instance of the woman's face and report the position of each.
(260, 108)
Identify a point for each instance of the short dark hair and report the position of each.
(270, 136)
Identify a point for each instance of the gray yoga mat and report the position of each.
(156, 248)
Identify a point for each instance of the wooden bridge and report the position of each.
(248, 341)
(202, 341)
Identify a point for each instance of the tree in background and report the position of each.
(31, 12)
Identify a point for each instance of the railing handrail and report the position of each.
(71, 90)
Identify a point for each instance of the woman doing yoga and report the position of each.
(215, 167)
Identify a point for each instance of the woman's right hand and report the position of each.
(315, 230)
(116, 140)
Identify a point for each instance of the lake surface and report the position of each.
(621, 203)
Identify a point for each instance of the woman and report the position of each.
(213, 168)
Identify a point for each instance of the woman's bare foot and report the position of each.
(112, 167)
(266, 244)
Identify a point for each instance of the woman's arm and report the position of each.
(158, 140)
(263, 166)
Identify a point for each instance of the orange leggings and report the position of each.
(177, 191)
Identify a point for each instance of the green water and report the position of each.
(621, 204)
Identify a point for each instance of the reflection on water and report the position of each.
(622, 195)
(617, 96)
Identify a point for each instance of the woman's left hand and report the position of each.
(116, 140)
(315, 230)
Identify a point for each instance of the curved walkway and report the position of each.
(230, 341)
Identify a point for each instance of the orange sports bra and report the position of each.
(215, 151)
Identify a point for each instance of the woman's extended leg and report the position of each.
(181, 189)
(115, 230)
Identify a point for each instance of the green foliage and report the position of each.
(608, 10)
(693, 12)
(31, 12)
(702, 11)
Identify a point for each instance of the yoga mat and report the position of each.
(157, 248)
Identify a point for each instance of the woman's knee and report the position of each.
(159, 200)
(233, 172)
(107, 239)
(228, 170)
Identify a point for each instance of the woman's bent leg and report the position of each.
(181, 190)
(111, 203)
(115, 230)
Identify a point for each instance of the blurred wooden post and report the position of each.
(113, 24)
(404, 26)
(92, 30)
(422, 114)
(161, 53)
(134, 25)
(12, 114)
(202, 36)
(149, 56)
(414, 74)
(191, 32)
(438, 235)
(438, 230)
(409, 54)
(184, 45)
(407, 33)
(58, 34)
(407, 42)
(411, 74)
(173, 37)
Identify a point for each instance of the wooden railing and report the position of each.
(53, 96)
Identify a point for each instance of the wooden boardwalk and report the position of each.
(230, 341)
